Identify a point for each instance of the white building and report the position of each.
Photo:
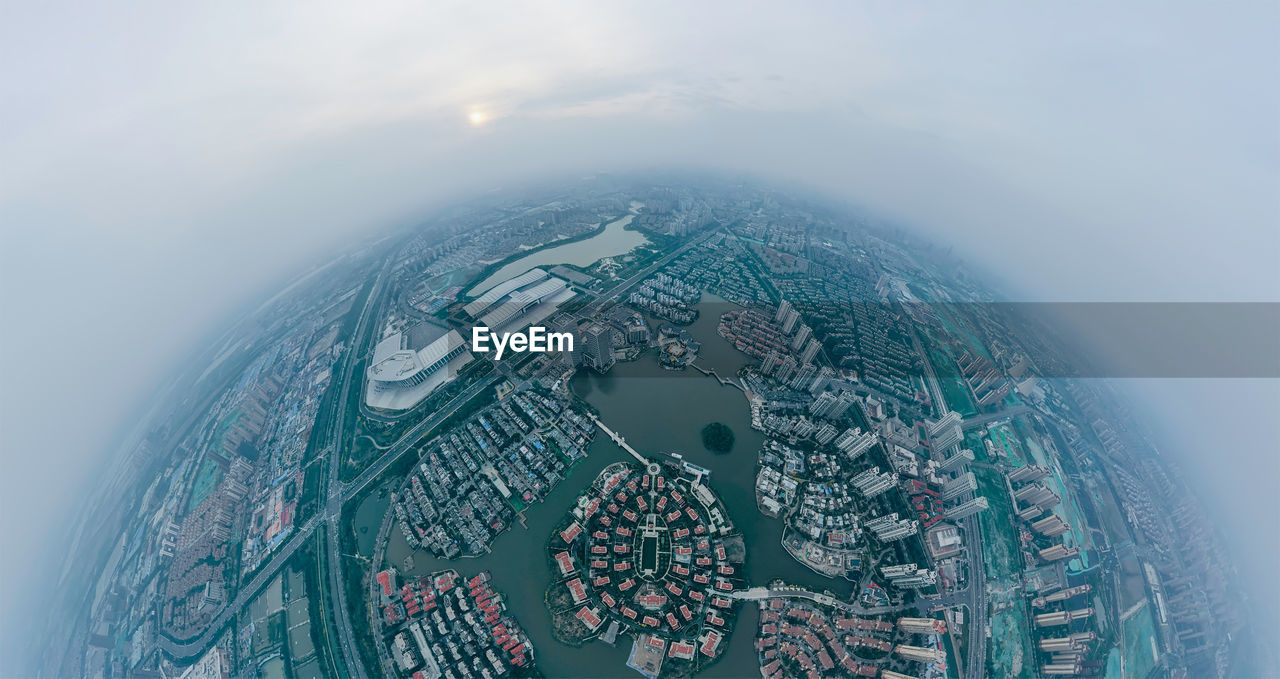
(399, 377)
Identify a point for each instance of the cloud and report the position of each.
(166, 164)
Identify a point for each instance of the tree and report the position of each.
(717, 437)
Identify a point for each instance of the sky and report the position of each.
(165, 164)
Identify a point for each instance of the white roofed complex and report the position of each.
(497, 292)
(399, 377)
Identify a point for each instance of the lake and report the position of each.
(657, 411)
(613, 241)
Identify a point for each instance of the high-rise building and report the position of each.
(801, 337)
(804, 377)
(783, 309)
(1058, 552)
(1029, 513)
(872, 482)
(823, 405)
(597, 341)
(770, 362)
(922, 626)
(786, 370)
(945, 432)
(637, 333)
(919, 654)
(844, 401)
(967, 509)
(1028, 474)
(822, 380)
(810, 350)
(1051, 526)
(790, 321)
(957, 461)
(569, 325)
(961, 485)
(854, 443)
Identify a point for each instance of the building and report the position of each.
(804, 377)
(943, 540)
(1028, 474)
(597, 347)
(801, 337)
(922, 625)
(955, 462)
(825, 376)
(854, 443)
(399, 376)
(825, 434)
(810, 350)
(945, 432)
(790, 321)
(212, 665)
(491, 297)
(961, 485)
(919, 654)
(770, 362)
(967, 509)
(1058, 552)
(823, 405)
(784, 309)
(872, 482)
(568, 324)
(1050, 526)
(787, 370)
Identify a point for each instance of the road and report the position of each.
(976, 600)
(759, 593)
(622, 287)
(974, 595)
(332, 515)
(337, 494)
(353, 487)
(979, 421)
(194, 647)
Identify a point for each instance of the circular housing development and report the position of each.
(648, 549)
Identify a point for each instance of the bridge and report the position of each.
(618, 439)
(793, 592)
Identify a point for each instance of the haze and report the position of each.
(165, 167)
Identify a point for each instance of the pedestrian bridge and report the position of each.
(618, 439)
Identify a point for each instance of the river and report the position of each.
(657, 411)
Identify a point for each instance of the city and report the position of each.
(346, 485)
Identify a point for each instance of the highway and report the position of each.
(622, 287)
(353, 487)
(332, 515)
(976, 663)
(979, 421)
(195, 646)
(337, 494)
(974, 594)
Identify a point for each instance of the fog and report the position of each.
(167, 165)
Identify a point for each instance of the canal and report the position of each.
(657, 411)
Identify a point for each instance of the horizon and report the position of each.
(173, 170)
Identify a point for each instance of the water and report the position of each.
(614, 240)
(657, 411)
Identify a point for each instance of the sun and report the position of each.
(478, 118)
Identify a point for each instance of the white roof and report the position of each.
(520, 301)
(440, 348)
(497, 292)
(393, 364)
